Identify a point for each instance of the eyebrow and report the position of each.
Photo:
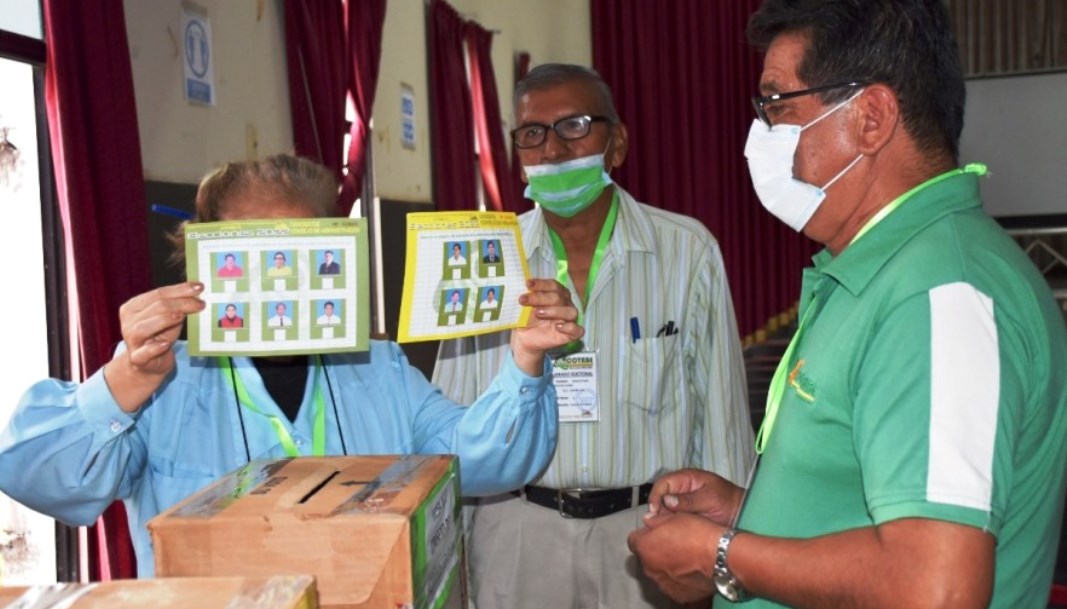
(770, 87)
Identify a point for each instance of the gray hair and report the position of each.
(548, 75)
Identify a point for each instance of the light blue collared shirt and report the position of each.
(69, 450)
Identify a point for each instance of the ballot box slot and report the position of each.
(318, 487)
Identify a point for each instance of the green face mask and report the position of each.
(566, 189)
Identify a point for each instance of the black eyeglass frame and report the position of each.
(591, 118)
(760, 102)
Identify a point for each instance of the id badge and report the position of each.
(574, 377)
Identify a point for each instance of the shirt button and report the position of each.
(299, 442)
(116, 427)
(524, 390)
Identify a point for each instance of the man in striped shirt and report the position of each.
(660, 381)
(917, 456)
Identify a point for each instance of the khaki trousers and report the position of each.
(523, 555)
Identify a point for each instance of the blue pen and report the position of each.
(635, 330)
(171, 211)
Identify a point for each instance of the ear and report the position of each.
(880, 118)
(620, 144)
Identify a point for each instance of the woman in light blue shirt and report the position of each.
(156, 424)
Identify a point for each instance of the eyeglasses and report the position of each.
(568, 128)
(760, 102)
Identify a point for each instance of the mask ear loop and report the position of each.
(832, 110)
(605, 153)
(842, 172)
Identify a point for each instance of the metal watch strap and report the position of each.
(725, 581)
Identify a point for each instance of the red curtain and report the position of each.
(451, 122)
(92, 117)
(494, 152)
(682, 73)
(315, 55)
(364, 22)
(522, 67)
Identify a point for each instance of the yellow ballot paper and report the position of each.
(278, 287)
(464, 273)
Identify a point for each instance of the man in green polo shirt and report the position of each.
(913, 452)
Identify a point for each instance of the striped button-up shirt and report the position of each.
(665, 401)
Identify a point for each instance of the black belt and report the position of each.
(577, 503)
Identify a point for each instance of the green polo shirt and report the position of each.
(929, 380)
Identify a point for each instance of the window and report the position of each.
(33, 548)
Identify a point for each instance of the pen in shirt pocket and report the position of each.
(635, 330)
(667, 329)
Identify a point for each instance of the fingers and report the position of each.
(187, 289)
(694, 503)
(633, 540)
(156, 316)
(570, 330)
(667, 487)
(545, 293)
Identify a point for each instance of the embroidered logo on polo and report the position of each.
(802, 383)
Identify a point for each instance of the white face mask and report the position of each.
(770, 155)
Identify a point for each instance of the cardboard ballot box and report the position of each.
(375, 531)
(277, 592)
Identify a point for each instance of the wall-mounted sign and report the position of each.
(407, 116)
(197, 56)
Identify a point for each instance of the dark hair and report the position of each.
(907, 45)
(279, 177)
(457, 246)
(548, 75)
(490, 291)
(328, 302)
(228, 256)
(282, 254)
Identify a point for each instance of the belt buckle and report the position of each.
(560, 492)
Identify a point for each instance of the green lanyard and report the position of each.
(780, 379)
(318, 440)
(562, 269)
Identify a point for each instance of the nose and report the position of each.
(555, 148)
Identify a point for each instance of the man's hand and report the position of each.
(151, 322)
(697, 492)
(552, 324)
(677, 552)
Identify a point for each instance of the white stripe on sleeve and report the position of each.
(964, 394)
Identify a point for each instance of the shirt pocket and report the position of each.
(172, 482)
(651, 374)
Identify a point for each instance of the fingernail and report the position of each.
(541, 313)
(670, 501)
(198, 287)
(529, 283)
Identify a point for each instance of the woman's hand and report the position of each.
(552, 324)
(151, 322)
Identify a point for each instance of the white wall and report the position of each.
(180, 141)
(1018, 127)
(550, 30)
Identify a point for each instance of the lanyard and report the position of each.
(977, 168)
(318, 441)
(562, 268)
(778, 382)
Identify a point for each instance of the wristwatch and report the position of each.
(725, 581)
